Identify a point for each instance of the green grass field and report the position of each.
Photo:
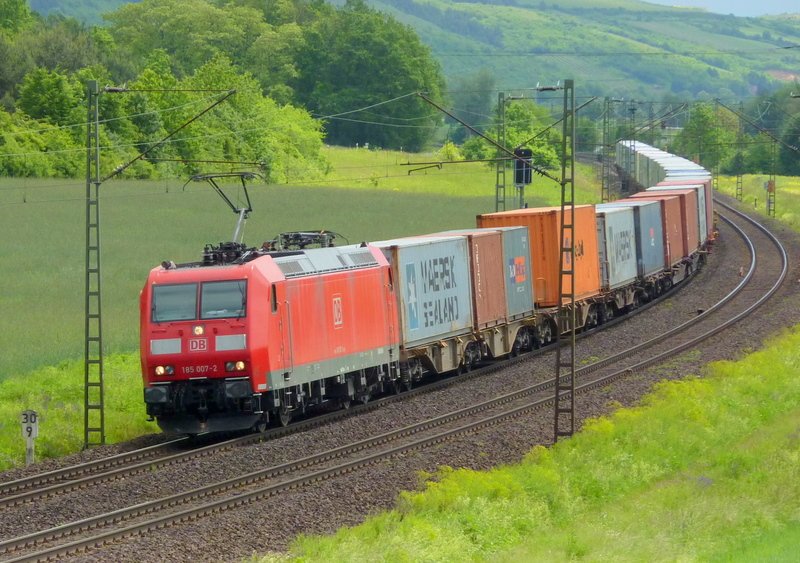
(754, 196)
(369, 195)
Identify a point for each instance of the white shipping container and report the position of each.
(616, 242)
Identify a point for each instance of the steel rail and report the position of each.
(42, 479)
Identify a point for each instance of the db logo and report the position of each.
(338, 314)
(198, 344)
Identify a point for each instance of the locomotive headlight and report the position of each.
(198, 330)
(170, 370)
(229, 366)
(235, 366)
(160, 370)
(165, 370)
(240, 366)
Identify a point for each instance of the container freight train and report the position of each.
(249, 337)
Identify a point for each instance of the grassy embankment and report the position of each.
(368, 195)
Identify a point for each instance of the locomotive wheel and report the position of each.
(284, 416)
(261, 426)
(344, 404)
(365, 398)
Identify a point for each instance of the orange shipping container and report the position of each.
(544, 226)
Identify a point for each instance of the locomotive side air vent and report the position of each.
(363, 258)
(291, 268)
(322, 260)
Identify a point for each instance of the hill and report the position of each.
(87, 11)
(616, 47)
(610, 47)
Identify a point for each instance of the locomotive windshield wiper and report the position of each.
(242, 310)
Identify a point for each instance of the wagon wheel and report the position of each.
(408, 372)
(522, 343)
(592, 318)
(365, 398)
(545, 334)
(472, 355)
(344, 404)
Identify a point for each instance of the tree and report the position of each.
(473, 97)
(525, 122)
(356, 57)
(191, 31)
(526, 125)
(708, 136)
(758, 158)
(449, 152)
(48, 95)
(789, 156)
(272, 58)
(14, 15)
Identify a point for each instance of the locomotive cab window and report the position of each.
(226, 299)
(174, 302)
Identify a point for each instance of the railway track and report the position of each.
(281, 478)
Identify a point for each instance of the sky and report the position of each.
(738, 7)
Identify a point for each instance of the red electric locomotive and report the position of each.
(231, 344)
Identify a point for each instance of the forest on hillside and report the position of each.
(297, 67)
(308, 71)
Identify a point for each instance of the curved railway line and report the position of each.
(279, 479)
